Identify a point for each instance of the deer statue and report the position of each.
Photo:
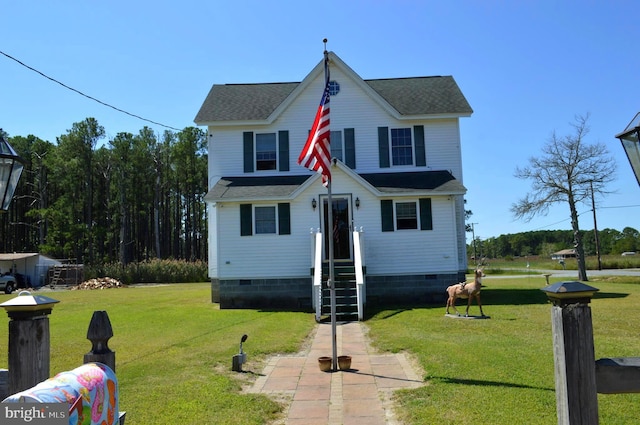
(466, 290)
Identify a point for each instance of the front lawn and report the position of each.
(501, 370)
(173, 350)
(174, 347)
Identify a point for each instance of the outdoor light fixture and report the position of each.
(630, 142)
(241, 357)
(11, 166)
(314, 204)
(357, 203)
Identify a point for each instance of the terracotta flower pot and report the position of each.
(344, 362)
(324, 363)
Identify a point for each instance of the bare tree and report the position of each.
(565, 172)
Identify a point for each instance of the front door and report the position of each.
(340, 229)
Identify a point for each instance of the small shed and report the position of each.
(564, 254)
(32, 266)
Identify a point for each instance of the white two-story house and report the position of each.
(397, 190)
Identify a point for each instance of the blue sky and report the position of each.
(526, 67)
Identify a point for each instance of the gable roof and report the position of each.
(419, 96)
(282, 187)
(410, 181)
(242, 102)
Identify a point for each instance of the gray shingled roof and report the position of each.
(240, 102)
(255, 187)
(236, 188)
(409, 96)
(422, 95)
(410, 182)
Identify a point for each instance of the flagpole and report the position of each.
(329, 230)
(316, 156)
(331, 282)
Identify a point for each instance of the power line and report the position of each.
(583, 212)
(620, 206)
(86, 95)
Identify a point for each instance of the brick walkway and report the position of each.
(360, 395)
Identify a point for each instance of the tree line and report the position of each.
(546, 242)
(131, 199)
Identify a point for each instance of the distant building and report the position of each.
(30, 266)
(564, 254)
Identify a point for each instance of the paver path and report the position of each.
(357, 396)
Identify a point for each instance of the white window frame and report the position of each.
(333, 150)
(412, 147)
(275, 219)
(275, 151)
(397, 216)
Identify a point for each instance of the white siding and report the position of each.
(414, 251)
(278, 256)
(350, 108)
(265, 256)
(213, 240)
(441, 250)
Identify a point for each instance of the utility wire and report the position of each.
(87, 96)
(583, 212)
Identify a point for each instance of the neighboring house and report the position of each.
(396, 187)
(33, 267)
(564, 254)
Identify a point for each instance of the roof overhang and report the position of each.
(17, 256)
(392, 184)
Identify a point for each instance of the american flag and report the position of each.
(316, 154)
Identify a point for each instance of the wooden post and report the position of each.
(99, 333)
(574, 358)
(29, 340)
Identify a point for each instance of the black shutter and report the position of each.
(426, 218)
(386, 212)
(247, 139)
(350, 148)
(284, 219)
(421, 153)
(283, 150)
(383, 147)
(246, 220)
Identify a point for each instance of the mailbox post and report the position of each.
(573, 350)
(29, 340)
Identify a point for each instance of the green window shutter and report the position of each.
(383, 147)
(247, 139)
(246, 220)
(421, 153)
(426, 218)
(386, 211)
(283, 150)
(350, 148)
(284, 219)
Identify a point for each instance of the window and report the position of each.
(402, 215)
(401, 146)
(266, 151)
(406, 215)
(334, 88)
(265, 220)
(336, 145)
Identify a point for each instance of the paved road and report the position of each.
(570, 274)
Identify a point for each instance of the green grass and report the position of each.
(519, 264)
(501, 370)
(173, 350)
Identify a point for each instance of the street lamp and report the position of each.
(11, 166)
(629, 138)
